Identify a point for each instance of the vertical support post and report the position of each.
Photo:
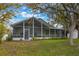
(60, 34)
(55, 32)
(23, 30)
(49, 32)
(28, 33)
(33, 28)
(12, 32)
(41, 30)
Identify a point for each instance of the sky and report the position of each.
(24, 13)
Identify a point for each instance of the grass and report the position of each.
(39, 48)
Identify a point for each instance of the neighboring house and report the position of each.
(75, 34)
(37, 28)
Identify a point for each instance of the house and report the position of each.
(35, 27)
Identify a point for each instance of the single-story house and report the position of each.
(35, 27)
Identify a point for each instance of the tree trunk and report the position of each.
(71, 38)
(71, 30)
(65, 33)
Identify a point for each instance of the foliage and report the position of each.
(58, 38)
(9, 38)
(33, 38)
(2, 29)
(32, 5)
(53, 39)
(65, 14)
(6, 15)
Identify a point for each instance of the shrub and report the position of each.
(57, 38)
(33, 38)
(0, 39)
(9, 38)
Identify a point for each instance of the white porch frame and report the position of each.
(60, 33)
(33, 28)
(28, 33)
(55, 33)
(23, 30)
(41, 30)
(49, 31)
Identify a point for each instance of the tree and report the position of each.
(2, 28)
(5, 15)
(64, 13)
(67, 15)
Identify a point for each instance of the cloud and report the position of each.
(23, 7)
(58, 25)
(24, 14)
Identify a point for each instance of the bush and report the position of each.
(33, 38)
(0, 39)
(51, 39)
(57, 38)
(9, 38)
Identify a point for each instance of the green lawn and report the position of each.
(39, 48)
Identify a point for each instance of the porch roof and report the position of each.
(37, 19)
